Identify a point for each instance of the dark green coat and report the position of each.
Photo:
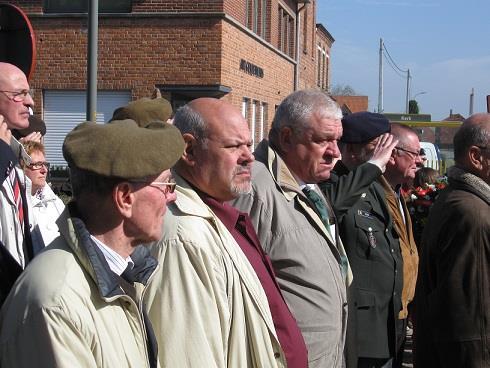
(372, 246)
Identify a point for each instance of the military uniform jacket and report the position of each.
(373, 249)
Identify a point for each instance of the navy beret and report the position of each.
(362, 127)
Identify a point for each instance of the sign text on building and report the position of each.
(251, 69)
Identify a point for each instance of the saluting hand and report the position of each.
(383, 150)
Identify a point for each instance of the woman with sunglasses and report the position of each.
(45, 204)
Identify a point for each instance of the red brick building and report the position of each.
(252, 53)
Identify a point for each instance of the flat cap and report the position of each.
(361, 127)
(123, 149)
(36, 124)
(145, 111)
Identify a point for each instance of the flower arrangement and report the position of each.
(419, 201)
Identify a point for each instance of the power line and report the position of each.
(391, 59)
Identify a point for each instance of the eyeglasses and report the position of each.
(412, 154)
(38, 165)
(17, 96)
(165, 187)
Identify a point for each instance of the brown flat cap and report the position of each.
(145, 111)
(123, 149)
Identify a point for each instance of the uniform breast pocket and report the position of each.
(368, 233)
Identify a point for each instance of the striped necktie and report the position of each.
(15, 183)
(319, 206)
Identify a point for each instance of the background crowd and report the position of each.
(182, 248)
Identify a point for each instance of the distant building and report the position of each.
(244, 51)
(350, 104)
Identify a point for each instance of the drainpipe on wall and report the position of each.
(296, 66)
(93, 36)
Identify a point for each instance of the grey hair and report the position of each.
(401, 132)
(188, 120)
(296, 109)
(470, 135)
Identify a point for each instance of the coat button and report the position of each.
(277, 355)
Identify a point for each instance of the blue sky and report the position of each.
(446, 45)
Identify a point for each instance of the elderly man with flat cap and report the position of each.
(371, 241)
(79, 303)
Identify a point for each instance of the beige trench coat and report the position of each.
(206, 304)
(64, 312)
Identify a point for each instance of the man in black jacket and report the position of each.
(452, 314)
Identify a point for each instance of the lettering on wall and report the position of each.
(251, 69)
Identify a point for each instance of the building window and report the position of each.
(245, 106)
(286, 32)
(305, 30)
(322, 68)
(81, 6)
(263, 120)
(256, 16)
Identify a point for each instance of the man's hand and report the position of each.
(382, 152)
(34, 136)
(5, 133)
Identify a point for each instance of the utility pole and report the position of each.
(380, 91)
(472, 98)
(93, 35)
(408, 91)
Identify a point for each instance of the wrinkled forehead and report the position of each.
(325, 125)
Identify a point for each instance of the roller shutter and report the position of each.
(63, 110)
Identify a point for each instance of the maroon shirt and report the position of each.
(241, 228)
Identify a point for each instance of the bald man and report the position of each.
(16, 243)
(215, 301)
(452, 313)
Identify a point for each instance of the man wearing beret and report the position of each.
(371, 240)
(79, 303)
(215, 301)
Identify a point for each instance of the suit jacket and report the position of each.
(10, 269)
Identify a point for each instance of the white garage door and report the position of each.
(63, 110)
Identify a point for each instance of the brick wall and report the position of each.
(277, 82)
(134, 53)
(142, 6)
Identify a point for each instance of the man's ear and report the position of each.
(191, 145)
(474, 157)
(286, 139)
(391, 161)
(123, 198)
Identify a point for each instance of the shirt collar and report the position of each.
(116, 262)
(226, 213)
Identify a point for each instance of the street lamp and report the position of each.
(420, 93)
